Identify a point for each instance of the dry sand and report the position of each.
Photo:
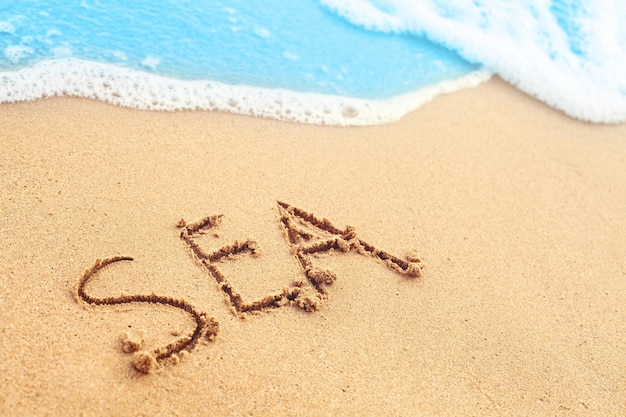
(517, 213)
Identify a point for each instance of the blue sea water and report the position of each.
(330, 61)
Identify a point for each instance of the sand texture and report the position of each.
(469, 260)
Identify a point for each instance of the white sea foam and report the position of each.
(137, 89)
(151, 62)
(15, 53)
(7, 27)
(571, 57)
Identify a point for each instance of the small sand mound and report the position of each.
(145, 362)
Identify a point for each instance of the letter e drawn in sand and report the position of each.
(306, 235)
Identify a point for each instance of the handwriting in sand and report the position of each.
(306, 234)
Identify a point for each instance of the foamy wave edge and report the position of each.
(523, 43)
(136, 89)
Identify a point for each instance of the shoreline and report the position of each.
(140, 90)
(514, 210)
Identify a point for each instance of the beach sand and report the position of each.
(516, 212)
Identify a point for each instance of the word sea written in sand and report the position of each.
(307, 236)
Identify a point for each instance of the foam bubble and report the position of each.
(151, 62)
(291, 56)
(132, 88)
(263, 33)
(7, 27)
(120, 55)
(570, 56)
(14, 53)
